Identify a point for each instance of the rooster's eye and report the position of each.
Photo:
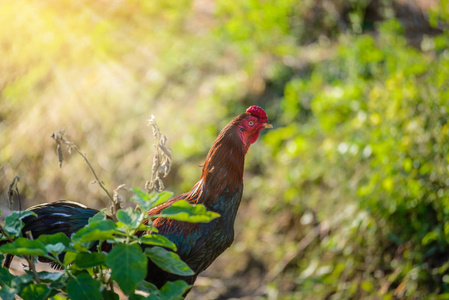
(250, 123)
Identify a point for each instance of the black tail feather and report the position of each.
(61, 216)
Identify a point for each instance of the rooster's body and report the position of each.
(220, 189)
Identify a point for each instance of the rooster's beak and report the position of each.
(267, 125)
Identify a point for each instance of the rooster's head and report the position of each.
(251, 124)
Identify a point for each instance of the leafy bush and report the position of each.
(92, 274)
(367, 154)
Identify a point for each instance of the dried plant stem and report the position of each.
(13, 190)
(162, 159)
(6, 234)
(59, 137)
(95, 174)
(117, 200)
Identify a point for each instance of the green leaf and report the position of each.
(157, 240)
(20, 282)
(58, 297)
(84, 287)
(5, 277)
(69, 257)
(147, 287)
(86, 260)
(55, 243)
(22, 279)
(7, 293)
(50, 276)
(100, 216)
(54, 239)
(55, 249)
(109, 295)
(148, 201)
(146, 227)
(168, 261)
(25, 213)
(130, 217)
(184, 211)
(57, 283)
(23, 246)
(13, 223)
(96, 231)
(174, 289)
(35, 291)
(128, 266)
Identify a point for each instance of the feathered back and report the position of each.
(223, 167)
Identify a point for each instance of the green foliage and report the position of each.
(86, 260)
(359, 149)
(183, 211)
(157, 240)
(95, 231)
(83, 286)
(370, 158)
(168, 261)
(85, 273)
(146, 201)
(264, 25)
(439, 13)
(13, 222)
(23, 246)
(170, 290)
(39, 292)
(128, 266)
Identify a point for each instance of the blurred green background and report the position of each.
(347, 198)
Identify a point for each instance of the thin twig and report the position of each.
(30, 260)
(6, 234)
(117, 201)
(59, 137)
(95, 174)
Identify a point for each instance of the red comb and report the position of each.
(257, 111)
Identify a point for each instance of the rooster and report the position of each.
(219, 188)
